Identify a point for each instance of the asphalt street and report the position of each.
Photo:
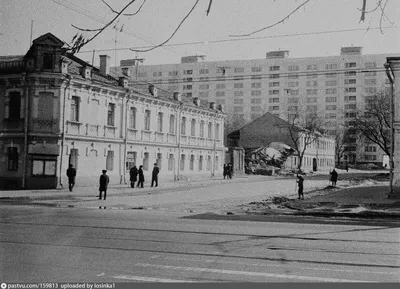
(91, 245)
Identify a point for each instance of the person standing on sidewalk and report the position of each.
(141, 177)
(71, 174)
(230, 171)
(154, 175)
(300, 181)
(103, 184)
(133, 175)
(225, 171)
(334, 177)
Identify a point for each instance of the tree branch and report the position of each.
(276, 23)
(209, 7)
(125, 14)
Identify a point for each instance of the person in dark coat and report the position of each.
(141, 177)
(133, 175)
(154, 175)
(103, 184)
(334, 177)
(71, 174)
(300, 181)
(225, 171)
(229, 171)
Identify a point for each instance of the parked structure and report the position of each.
(60, 110)
(336, 85)
(267, 129)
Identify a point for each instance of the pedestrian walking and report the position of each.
(141, 177)
(71, 174)
(103, 184)
(154, 175)
(224, 172)
(347, 167)
(133, 175)
(229, 171)
(300, 181)
(334, 177)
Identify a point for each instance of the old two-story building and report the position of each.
(59, 110)
(319, 155)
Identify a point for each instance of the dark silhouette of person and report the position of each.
(334, 177)
(229, 171)
(71, 174)
(154, 175)
(141, 177)
(300, 181)
(103, 184)
(225, 171)
(347, 167)
(133, 175)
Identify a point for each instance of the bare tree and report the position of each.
(340, 143)
(305, 128)
(232, 123)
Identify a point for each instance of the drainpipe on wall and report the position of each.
(63, 129)
(26, 125)
(126, 133)
(178, 134)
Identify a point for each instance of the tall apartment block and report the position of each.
(334, 86)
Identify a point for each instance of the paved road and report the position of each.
(80, 244)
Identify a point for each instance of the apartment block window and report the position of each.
(203, 71)
(255, 109)
(312, 83)
(130, 160)
(173, 73)
(311, 91)
(47, 61)
(13, 106)
(203, 94)
(350, 106)
(193, 127)
(238, 101)
(370, 157)
(142, 74)
(330, 107)
(330, 91)
(220, 93)
(370, 90)
(311, 67)
(157, 74)
(132, 117)
(330, 116)
(209, 130)
(274, 75)
(204, 78)
(273, 108)
(191, 163)
(293, 68)
(173, 80)
(350, 73)
(350, 98)
(274, 68)
(256, 69)
(370, 73)
(188, 72)
(331, 83)
(256, 77)
(172, 124)
(370, 149)
(239, 77)
(238, 93)
(257, 92)
(217, 129)
(371, 81)
(350, 115)
(256, 85)
(311, 99)
(311, 75)
(350, 89)
(173, 88)
(238, 109)
(110, 161)
(293, 92)
(273, 84)
(147, 115)
(183, 126)
(238, 85)
(331, 66)
(293, 75)
(204, 86)
(350, 81)
(331, 99)
(256, 100)
(220, 101)
(273, 92)
(74, 109)
(12, 158)
(202, 124)
(221, 86)
(350, 65)
(182, 164)
(187, 79)
(187, 87)
(42, 167)
(111, 114)
(160, 117)
(293, 100)
(370, 64)
(239, 70)
(171, 162)
(293, 83)
(200, 163)
(274, 100)
(330, 75)
(187, 94)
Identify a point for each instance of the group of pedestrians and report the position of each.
(137, 175)
(227, 172)
(300, 183)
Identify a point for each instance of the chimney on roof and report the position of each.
(221, 107)
(212, 105)
(177, 96)
(126, 71)
(196, 101)
(153, 90)
(105, 64)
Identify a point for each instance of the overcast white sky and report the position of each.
(315, 30)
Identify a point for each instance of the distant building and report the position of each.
(59, 110)
(337, 86)
(268, 128)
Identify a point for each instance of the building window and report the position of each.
(209, 130)
(183, 126)
(293, 68)
(238, 93)
(256, 100)
(132, 117)
(204, 86)
(311, 67)
(257, 92)
(330, 83)
(200, 163)
(42, 167)
(203, 71)
(12, 158)
(276, 75)
(203, 94)
(330, 75)
(47, 61)
(312, 83)
(147, 115)
(350, 98)
(274, 100)
(202, 128)
(274, 68)
(273, 84)
(193, 127)
(238, 101)
(187, 87)
(188, 72)
(111, 114)
(208, 163)
(220, 93)
(330, 99)
(350, 89)
(182, 164)
(171, 162)
(221, 86)
(273, 92)
(130, 160)
(311, 91)
(191, 164)
(239, 70)
(172, 124)
(312, 75)
(330, 91)
(74, 108)
(350, 81)
(293, 75)
(350, 64)
(173, 73)
(238, 109)
(256, 69)
(238, 85)
(110, 161)
(216, 164)
(331, 66)
(146, 158)
(350, 73)
(160, 122)
(13, 105)
(293, 83)
(217, 131)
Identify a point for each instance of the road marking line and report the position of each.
(249, 273)
(153, 279)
